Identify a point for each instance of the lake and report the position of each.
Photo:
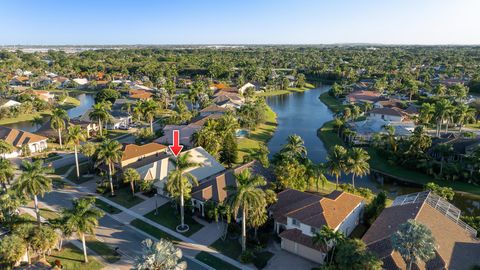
(302, 113)
(86, 102)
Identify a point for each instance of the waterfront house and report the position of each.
(9, 103)
(19, 138)
(298, 216)
(457, 246)
(362, 96)
(244, 87)
(213, 109)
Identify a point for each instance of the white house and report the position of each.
(19, 138)
(10, 103)
(244, 87)
(80, 81)
(387, 114)
(299, 215)
(149, 160)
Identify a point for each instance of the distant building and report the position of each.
(456, 244)
(298, 216)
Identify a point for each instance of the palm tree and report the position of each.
(414, 241)
(443, 110)
(37, 121)
(245, 196)
(82, 219)
(5, 148)
(427, 111)
(329, 239)
(100, 113)
(357, 163)
(160, 255)
(338, 124)
(149, 109)
(6, 172)
(295, 147)
(109, 152)
(464, 114)
(389, 137)
(179, 183)
(75, 135)
(444, 150)
(131, 176)
(336, 161)
(57, 121)
(34, 181)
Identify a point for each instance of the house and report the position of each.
(389, 103)
(20, 81)
(213, 109)
(213, 188)
(207, 167)
(9, 104)
(366, 129)
(149, 160)
(244, 87)
(90, 127)
(228, 100)
(81, 81)
(119, 119)
(362, 96)
(140, 94)
(388, 114)
(44, 95)
(62, 81)
(461, 147)
(299, 215)
(456, 244)
(186, 132)
(20, 138)
(122, 103)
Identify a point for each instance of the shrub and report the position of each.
(247, 257)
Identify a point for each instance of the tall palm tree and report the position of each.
(328, 238)
(443, 110)
(336, 162)
(34, 181)
(109, 152)
(295, 146)
(6, 172)
(57, 121)
(149, 109)
(464, 114)
(82, 219)
(427, 111)
(5, 148)
(131, 176)
(75, 134)
(100, 113)
(179, 182)
(357, 163)
(444, 150)
(245, 196)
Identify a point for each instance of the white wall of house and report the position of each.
(38, 146)
(352, 220)
(391, 118)
(306, 229)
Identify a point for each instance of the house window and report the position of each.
(295, 222)
(313, 230)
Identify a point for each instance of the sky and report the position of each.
(75, 22)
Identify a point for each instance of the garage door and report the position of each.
(302, 251)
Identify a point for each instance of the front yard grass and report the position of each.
(168, 217)
(228, 247)
(214, 262)
(72, 258)
(63, 170)
(84, 169)
(123, 197)
(107, 208)
(329, 136)
(261, 135)
(332, 103)
(102, 249)
(152, 230)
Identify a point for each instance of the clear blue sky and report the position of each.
(239, 21)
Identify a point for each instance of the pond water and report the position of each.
(303, 113)
(86, 102)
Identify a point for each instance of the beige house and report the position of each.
(19, 138)
(300, 215)
(149, 160)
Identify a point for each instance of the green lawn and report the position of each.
(124, 197)
(63, 170)
(103, 250)
(229, 247)
(329, 136)
(273, 93)
(153, 231)
(112, 134)
(214, 262)
(84, 169)
(262, 258)
(107, 208)
(72, 258)
(261, 134)
(332, 103)
(23, 117)
(168, 217)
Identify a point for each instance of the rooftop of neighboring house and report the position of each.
(233, 95)
(388, 111)
(9, 103)
(201, 120)
(460, 146)
(18, 138)
(218, 86)
(393, 102)
(186, 132)
(208, 164)
(213, 108)
(371, 126)
(147, 160)
(140, 94)
(213, 188)
(456, 245)
(314, 210)
(363, 95)
(131, 151)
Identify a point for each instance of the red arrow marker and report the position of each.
(176, 148)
